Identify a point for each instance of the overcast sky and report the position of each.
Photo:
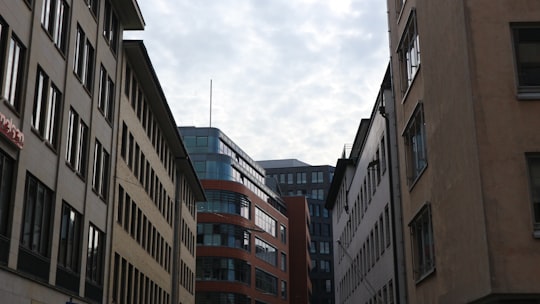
(291, 78)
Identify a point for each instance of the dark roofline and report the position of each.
(136, 51)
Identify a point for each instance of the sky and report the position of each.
(290, 78)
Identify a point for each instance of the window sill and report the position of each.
(425, 276)
(13, 108)
(528, 96)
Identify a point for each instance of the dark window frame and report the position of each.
(526, 40)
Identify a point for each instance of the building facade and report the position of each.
(57, 147)
(298, 178)
(153, 235)
(242, 227)
(466, 80)
(363, 198)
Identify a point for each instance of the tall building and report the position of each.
(57, 149)
(298, 178)
(71, 207)
(366, 215)
(153, 235)
(466, 79)
(242, 227)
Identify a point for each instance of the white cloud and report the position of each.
(291, 79)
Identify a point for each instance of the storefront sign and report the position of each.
(10, 131)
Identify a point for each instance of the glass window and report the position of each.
(111, 27)
(93, 5)
(46, 108)
(6, 179)
(533, 161)
(409, 52)
(266, 222)
(527, 54)
(283, 234)
(415, 145)
(14, 72)
(100, 177)
(290, 179)
(265, 251)
(36, 225)
(84, 59)
(69, 256)
(95, 254)
(54, 18)
(223, 269)
(227, 235)
(283, 265)
(221, 201)
(422, 243)
(106, 94)
(265, 282)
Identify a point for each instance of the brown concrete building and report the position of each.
(299, 241)
(57, 148)
(466, 78)
(242, 227)
(153, 236)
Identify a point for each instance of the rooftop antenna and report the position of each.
(210, 103)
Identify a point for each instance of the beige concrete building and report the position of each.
(466, 80)
(155, 192)
(57, 145)
(62, 108)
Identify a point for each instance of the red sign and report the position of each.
(10, 131)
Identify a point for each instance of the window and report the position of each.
(301, 177)
(265, 282)
(527, 53)
(328, 285)
(290, 178)
(46, 108)
(283, 290)
(283, 265)
(36, 229)
(223, 269)
(100, 178)
(382, 160)
(69, 256)
(264, 221)
(409, 52)
(422, 243)
(316, 177)
(283, 234)
(533, 161)
(324, 247)
(106, 94)
(6, 179)
(84, 59)
(313, 247)
(265, 251)
(77, 143)
(324, 265)
(94, 260)
(93, 5)
(415, 145)
(14, 72)
(54, 18)
(111, 27)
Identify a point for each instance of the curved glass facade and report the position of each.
(222, 201)
(227, 235)
(223, 269)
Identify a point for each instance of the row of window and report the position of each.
(223, 269)
(132, 286)
(350, 283)
(142, 169)
(321, 266)
(266, 222)
(315, 211)
(320, 229)
(324, 247)
(227, 235)
(187, 197)
(317, 177)
(37, 230)
(222, 201)
(136, 224)
(188, 238)
(187, 277)
(213, 297)
(149, 122)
